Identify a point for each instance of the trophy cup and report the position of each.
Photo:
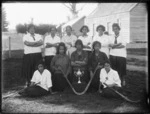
(79, 74)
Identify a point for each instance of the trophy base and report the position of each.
(79, 87)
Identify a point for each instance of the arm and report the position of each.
(52, 64)
(49, 45)
(34, 44)
(117, 81)
(102, 76)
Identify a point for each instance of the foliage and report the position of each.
(41, 29)
(4, 22)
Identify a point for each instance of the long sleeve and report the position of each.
(34, 77)
(102, 76)
(52, 65)
(117, 79)
(74, 40)
(49, 80)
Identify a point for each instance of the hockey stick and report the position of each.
(79, 93)
(121, 95)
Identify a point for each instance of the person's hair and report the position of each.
(30, 25)
(40, 62)
(100, 26)
(79, 42)
(53, 27)
(61, 44)
(84, 26)
(96, 42)
(116, 25)
(108, 62)
(69, 27)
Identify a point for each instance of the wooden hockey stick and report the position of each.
(79, 93)
(121, 95)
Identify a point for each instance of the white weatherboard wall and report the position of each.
(122, 18)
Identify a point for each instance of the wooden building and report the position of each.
(132, 18)
(76, 24)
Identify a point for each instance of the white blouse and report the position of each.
(29, 38)
(121, 52)
(105, 41)
(43, 79)
(112, 77)
(69, 39)
(86, 40)
(52, 50)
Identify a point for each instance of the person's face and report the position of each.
(31, 30)
(116, 30)
(100, 31)
(61, 50)
(107, 67)
(53, 30)
(68, 30)
(79, 46)
(40, 67)
(97, 47)
(84, 30)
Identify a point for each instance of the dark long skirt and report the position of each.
(29, 65)
(34, 91)
(94, 86)
(108, 93)
(59, 82)
(48, 60)
(118, 64)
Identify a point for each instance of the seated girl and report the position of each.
(40, 83)
(59, 63)
(97, 58)
(79, 59)
(109, 78)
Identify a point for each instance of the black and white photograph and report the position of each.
(74, 57)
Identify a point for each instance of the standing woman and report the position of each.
(79, 60)
(60, 62)
(97, 58)
(118, 52)
(86, 40)
(51, 42)
(103, 39)
(69, 39)
(32, 52)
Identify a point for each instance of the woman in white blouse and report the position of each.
(50, 43)
(103, 39)
(69, 39)
(32, 52)
(40, 83)
(109, 78)
(85, 38)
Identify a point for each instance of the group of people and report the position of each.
(46, 63)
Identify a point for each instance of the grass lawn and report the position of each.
(67, 101)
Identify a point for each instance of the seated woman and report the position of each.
(79, 59)
(40, 83)
(97, 58)
(109, 78)
(60, 62)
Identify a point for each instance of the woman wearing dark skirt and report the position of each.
(32, 53)
(97, 58)
(79, 60)
(60, 62)
(50, 43)
(40, 83)
(118, 53)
